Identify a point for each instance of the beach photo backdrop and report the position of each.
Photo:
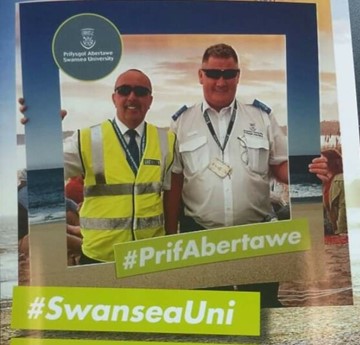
(345, 112)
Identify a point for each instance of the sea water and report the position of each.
(46, 195)
(8, 255)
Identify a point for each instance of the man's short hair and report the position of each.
(220, 50)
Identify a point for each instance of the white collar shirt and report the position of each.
(241, 197)
(220, 122)
(123, 129)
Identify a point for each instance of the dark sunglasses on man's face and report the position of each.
(139, 91)
(218, 73)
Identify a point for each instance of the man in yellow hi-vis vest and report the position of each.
(126, 163)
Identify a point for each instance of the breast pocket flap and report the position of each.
(193, 144)
(257, 143)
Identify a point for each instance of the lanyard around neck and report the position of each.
(125, 145)
(228, 131)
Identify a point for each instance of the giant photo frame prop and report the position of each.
(42, 93)
(354, 13)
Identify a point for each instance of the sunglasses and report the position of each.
(139, 91)
(218, 73)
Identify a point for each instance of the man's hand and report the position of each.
(319, 167)
(23, 108)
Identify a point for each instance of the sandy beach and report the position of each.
(315, 312)
(333, 289)
(324, 313)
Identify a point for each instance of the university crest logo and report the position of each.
(88, 38)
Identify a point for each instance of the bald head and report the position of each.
(132, 97)
(133, 73)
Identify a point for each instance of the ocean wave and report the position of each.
(308, 190)
(46, 217)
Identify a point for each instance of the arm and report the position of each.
(73, 244)
(73, 230)
(278, 160)
(280, 172)
(24, 245)
(172, 203)
(341, 221)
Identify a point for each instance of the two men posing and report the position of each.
(217, 168)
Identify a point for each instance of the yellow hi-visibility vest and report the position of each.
(120, 206)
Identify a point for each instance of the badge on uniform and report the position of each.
(179, 112)
(262, 106)
(220, 168)
(151, 162)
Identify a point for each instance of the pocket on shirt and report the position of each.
(258, 154)
(195, 154)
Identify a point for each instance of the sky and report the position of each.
(160, 70)
(174, 78)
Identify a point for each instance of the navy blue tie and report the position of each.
(133, 148)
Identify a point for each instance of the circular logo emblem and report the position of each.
(87, 46)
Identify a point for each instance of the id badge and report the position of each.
(220, 168)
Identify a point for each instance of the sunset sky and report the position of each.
(172, 62)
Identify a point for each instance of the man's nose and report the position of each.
(221, 81)
(132, 95)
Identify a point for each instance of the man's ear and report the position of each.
(151, 101)
(238, 77)
(201, 76)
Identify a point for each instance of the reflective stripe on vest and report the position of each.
(122, 189)
(121, 223)
(98, 157)
(97, 152)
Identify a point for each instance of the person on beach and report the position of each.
(23, 222)
(126, 166)
(334, 193)
(226, 153)
(74, 189)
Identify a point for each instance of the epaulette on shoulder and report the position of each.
(179, 112)
(262, 106)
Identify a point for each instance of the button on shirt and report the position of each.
(243, 197)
